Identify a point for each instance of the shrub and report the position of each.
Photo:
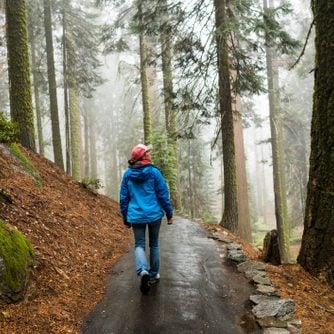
(91, 183)
(8, 130)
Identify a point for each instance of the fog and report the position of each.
(113, 113)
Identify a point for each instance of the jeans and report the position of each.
(139, 231)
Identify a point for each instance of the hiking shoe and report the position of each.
(144, 282)
(155, 279)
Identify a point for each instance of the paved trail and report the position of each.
(197, 293)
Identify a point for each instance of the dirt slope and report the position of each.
(78, 236)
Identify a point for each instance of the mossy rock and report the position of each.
(16, 261)
(26, 164)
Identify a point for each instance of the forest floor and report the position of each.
(79, 235)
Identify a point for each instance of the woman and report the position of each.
(144, 198)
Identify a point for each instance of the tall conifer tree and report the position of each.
(19, 71)
(317, 250)
(56, 138)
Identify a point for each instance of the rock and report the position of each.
(275, 331)
(15, 267)
(260, 279)
(267, 290)
(268, 322)
(216, 236)
(295, 326)
(213, 235)
(251, 266)
(234, 246)
(255, 273)
(237, 256)
(224, 239)
(257, 299)
(274, 308)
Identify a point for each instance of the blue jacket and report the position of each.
(144, 196)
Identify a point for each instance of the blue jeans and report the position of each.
(139, 231)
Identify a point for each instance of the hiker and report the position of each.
(144, 197)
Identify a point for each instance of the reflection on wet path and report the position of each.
(196, 293)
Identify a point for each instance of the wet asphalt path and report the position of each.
(196, 293)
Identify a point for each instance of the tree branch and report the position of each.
(304, 47)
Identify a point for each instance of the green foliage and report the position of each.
(259, 229)
(91, 183)
(209, 218)
(82, 41)
(8, 130)
(27, 165)
(257, 238)
(163, 157)
(18, 255)
(270, 27)
(259, 225)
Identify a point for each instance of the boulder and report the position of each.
(16, 261)
(251, 266)
(274, 308)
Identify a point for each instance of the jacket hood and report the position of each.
(140, 173)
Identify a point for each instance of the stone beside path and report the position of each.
(273, 314)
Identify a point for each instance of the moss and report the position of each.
(18, 256)
(26, 164)
(8, 130)
(19, 71)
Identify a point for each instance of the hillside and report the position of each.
(79, 235)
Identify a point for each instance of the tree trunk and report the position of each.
(36, 85)
(277, 154)
(230, 215)
(56, 138)
(66, 105)
(92, 145)
(19, 71)
(147, 117)
(244, 227)
(75, 133)
(170, 113)
(86, 139)
(115, 177)
(190, 182)
(317, 250)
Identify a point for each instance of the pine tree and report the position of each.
(19, 71)
(230, 216)
(147, 115)
(56, 138)
(317, 250)
(34, 29)
(80, 64)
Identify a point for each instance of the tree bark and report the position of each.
(75, 131)
(66, 105)
(244, 227)
(147, 117)
(92, 145)
(317, 249)
(36, 85)
(277, 154)
(170, 113)
(56, 137)
(230, 215)
(19, 71)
